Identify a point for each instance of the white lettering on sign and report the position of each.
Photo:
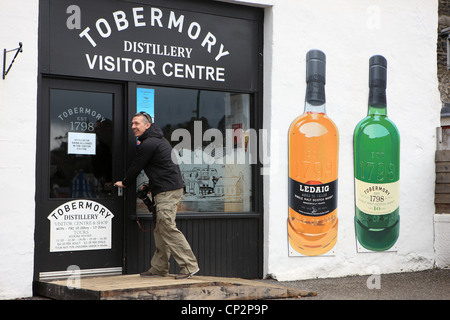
(80, 225)
(156, 49)
(119, 64)
(179, 70)
(155, 18)
(168, 69)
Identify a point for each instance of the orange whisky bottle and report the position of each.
(313, 168)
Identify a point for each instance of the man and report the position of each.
(166, 185)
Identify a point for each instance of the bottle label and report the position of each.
(377, 198)
(312, 199)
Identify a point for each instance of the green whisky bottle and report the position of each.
(376, 165)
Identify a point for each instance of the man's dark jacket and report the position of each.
(154, 157)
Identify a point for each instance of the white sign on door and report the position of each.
(81, 143)
(80, 225)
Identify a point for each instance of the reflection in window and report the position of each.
(209, 131)
(81, 131)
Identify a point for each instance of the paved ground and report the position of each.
(422, 285)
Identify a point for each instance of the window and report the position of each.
(81, 130)
(209, 131)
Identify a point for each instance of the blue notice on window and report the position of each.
(145, 101)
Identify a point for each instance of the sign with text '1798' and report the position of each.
(132, 41)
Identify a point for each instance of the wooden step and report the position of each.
(133, 287)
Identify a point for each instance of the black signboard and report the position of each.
(158, 44)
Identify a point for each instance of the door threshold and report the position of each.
(79, 273)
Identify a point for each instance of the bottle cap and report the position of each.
(315, 66)
(377, 71)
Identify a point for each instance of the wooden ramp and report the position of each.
(133, 287)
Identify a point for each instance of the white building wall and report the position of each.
(18, 23)
(350, 32)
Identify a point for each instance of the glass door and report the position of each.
(79, 214)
